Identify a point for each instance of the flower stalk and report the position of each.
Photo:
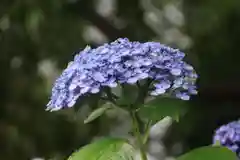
(137, 134)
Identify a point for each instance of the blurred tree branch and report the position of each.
(85, 9)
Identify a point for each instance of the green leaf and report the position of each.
(209, 153)
(104, 149)
(128, 94)
(97, 113)
(159, 108)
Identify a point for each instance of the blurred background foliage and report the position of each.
(39, 37)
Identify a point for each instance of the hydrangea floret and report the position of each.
(228, 135)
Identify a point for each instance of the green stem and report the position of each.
(138, 136)
(146, 132)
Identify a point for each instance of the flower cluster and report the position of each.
(229, 136)
(121, 62)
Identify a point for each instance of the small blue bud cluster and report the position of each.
(122, 62)
(229, 136)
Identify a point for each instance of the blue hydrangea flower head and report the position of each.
(122, 62)
(229, 136)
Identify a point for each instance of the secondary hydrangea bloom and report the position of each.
(229, 136)
(121, 62)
